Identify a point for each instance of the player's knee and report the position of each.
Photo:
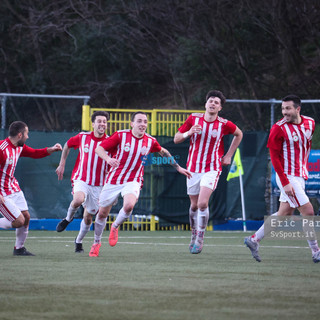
(202, 206)
(19, 222)
(128, 208)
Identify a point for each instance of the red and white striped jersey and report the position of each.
(89, 167)
(130, 152)
(206, 148)
(9, 155)
(290, 144)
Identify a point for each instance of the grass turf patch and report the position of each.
(152, 275)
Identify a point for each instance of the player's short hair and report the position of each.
(135, 113)
(17, 127)
(218, 94)
(100, 113)
(292, 97)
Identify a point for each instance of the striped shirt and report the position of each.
(130, 151)
(291, 144)
(206, 148)
(9, 155)
(89, 167)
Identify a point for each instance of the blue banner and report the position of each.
(313, 183)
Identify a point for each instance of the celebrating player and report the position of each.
(206, 155)
(13, 205)
(126, 174)
(88, 175)
(289, 144)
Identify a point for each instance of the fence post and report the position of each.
(154, 122)
(85, 125)
(153, 223)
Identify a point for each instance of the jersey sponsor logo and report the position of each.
(214, 133)
(86, 148)
(127, 147)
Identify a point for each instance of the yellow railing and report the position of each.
(161, 122)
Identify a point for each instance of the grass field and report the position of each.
(152, 275)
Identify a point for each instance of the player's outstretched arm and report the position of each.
(165, 153)
(56, 147)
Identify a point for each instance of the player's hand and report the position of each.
(225, 160)
(60, 171)
(195, 129)
(288, 189)
(185, 172)
(113, 162)
(56, 147)
(2, 201)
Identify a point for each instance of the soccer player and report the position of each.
(88, 175)
(289, 144)
(13, 205)
(130, 148)
(206, 155)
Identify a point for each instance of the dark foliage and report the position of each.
(164, 53)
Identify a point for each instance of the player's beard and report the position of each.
(20, 143)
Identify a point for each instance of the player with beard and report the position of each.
(13, 205)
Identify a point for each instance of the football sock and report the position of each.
(71, 212)
(98, 228)
(203, 217)
(193, 216)
(21, 236)
(259, 235)
(83, 231)
(5, 224)
(313, 244)
(121, 218)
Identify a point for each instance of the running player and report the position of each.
(13, 205)
(126, 174)
(289, 144)
(206, 155)
(88, 175)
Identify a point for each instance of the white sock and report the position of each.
(71, 212)
(99, 226)
(313, 244)
(83, 231)
(203, 218)
(5, 223)
(193, 216)
(121, 218)
(259, 234)
(21, 236)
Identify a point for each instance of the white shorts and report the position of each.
(13, 205)
(110, 192)
(206, 179)
(92, 193)
(298, 185)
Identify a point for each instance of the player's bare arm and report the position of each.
(226, 159)
(101, 152)
(180, 137)
(166, 154)
(62, 163)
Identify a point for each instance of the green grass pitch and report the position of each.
(152, 276)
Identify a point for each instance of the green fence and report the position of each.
(164, 190)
